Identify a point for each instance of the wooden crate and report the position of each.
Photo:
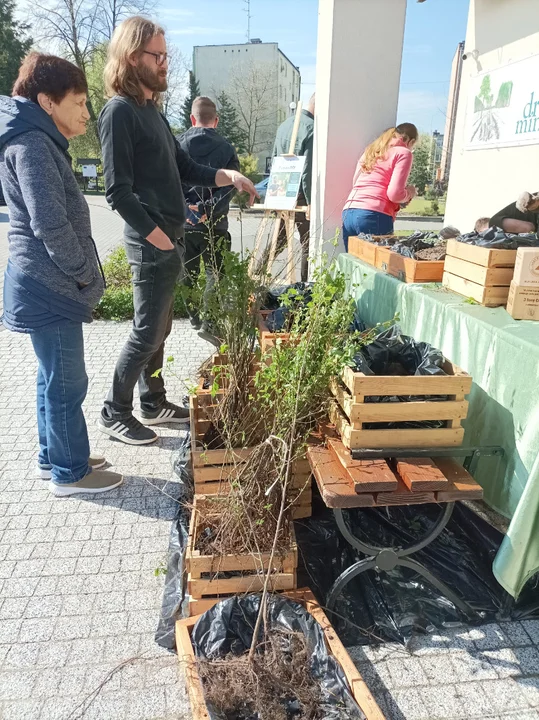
(407, 269)
(267, 338)
(479, 273)
(350, 412)
(212, 468)
(357, 685)
(403, 268)
(251, 565)
(480, 255)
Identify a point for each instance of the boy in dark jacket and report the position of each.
(206, 230)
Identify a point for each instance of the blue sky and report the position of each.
(433, 30)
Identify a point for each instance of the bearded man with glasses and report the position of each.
(144, 167)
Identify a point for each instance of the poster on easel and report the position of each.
(284, 182)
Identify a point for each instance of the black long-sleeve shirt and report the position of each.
(144, 167)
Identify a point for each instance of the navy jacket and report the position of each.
(207, 147)
(54, 272)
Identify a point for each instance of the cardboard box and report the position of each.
(527, 267)
(523, 302)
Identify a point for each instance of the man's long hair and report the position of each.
(129, 39)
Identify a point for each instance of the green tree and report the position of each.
(88, 145)
(421, 175)
(185, 111)
(229, 123)
(14, 45)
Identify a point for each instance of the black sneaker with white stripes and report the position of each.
(129, 431)
(168, 413)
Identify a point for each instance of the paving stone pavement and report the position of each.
(79, 600)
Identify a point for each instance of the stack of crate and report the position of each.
(480, 273)
(209, 577)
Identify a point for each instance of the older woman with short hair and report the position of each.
(53, 278)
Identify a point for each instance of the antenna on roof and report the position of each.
(248, 11)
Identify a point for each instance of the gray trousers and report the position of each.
(155, 274)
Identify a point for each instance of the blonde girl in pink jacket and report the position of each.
(381, 184)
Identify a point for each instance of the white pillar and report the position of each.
(358, 68)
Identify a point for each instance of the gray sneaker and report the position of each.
(97, 481)
(95, 461)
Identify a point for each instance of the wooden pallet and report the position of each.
(392, 263)
(267, 338)
(357, 685)
(480, 273)
(201, 569)
(416, 481)
(349, 413)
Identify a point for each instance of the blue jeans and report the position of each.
(369, 222)
(61, 388)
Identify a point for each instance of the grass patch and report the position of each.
(117, 301)
(422, 206)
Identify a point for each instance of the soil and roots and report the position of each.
(276, 684)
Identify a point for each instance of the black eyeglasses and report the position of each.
(160, 58)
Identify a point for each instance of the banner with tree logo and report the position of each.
(503, 106)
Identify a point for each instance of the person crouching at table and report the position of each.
(53, 278)
(381, 184)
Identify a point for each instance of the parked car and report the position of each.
(261, 188)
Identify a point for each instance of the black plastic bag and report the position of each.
(274, 294)
(174, 595)
(390, 351)
(497, 238)
(228, 628)
(410, 245)
(392, 606)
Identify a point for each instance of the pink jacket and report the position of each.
(383, 189)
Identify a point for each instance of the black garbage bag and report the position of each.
(228, 628)
(278, 320)
(497, 239)
(393, 353)
(274, 295)
(174, 595)
(410, 245)
(392, 606)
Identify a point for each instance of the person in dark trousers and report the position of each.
(303, 147)
(144, 167)
(206, 230)
(53, 278)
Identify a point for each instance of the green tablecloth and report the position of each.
(502, 356)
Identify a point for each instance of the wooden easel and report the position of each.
(287, 216)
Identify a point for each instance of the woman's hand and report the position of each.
(161, 241)
(412, 191)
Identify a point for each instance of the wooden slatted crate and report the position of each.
(403, 268)
(268, 338)
(357, 685)
(203, 581)
(480, 273)
(350, 411)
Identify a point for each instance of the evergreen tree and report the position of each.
(13, 46)
(421, 172)
(229, 124)
(185, 112)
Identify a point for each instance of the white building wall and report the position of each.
(484, 181)
(215, 65)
